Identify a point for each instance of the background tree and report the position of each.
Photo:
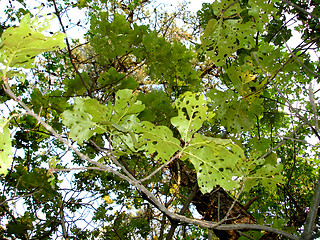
(161, 115)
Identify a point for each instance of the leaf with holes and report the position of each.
(20, 45)
(268, 175)
(215, 161)
(126, 103)
(158, 139)
(192, 112)
(99, 112)
(5, 147)
(79, 121)
(234, 114)
(261, 11)
(227, 33)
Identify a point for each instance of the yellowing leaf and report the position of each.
(173, 189)
(247, 77)
(107, 199)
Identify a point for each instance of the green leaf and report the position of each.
(158, 139)
(158, 108)
(266, 172)
(125, 104)
(236, 115)
(192, 112)
(123, 134)
(261, 11)
(79, 121)
(269, 175)
(20, 45)
(5, 147)
(226, 33)
(98, 111)
(215, 161)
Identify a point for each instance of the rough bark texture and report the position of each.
(213, 206)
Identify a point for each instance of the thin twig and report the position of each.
(314, 108)
(233, 204)
(20, 196)
(74, 169)
(300, 9)
(298, 60)
(159, 168)
(69, 48)
(282, 142)
(63, 223)
(185, 207)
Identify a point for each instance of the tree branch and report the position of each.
(300, 9)
(69, 48)
(134, 182)
(311, 217)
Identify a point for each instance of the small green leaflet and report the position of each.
(5, 147)
(192, 112)
(215, 161)
(20, 45)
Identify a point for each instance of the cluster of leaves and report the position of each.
(133, 93)
(215, 160)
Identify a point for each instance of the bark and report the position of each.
(215, 205)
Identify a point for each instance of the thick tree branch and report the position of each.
(309, 227)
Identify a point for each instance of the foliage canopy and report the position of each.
(155, 116)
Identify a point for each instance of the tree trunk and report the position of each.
(215, 205)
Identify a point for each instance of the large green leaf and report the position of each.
(215, 161)
(5, 147)
(20, 45)
(192, 112)
(125, 104)
(158, 139)
(80, 122)
(227, 33)
(99, 112)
